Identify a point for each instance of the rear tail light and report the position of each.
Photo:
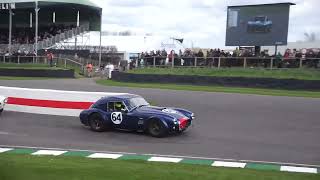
(183, 123)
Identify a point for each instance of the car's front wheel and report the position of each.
(157, 129)
(96, 123)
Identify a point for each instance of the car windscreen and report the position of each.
(136, 102)
(259, 18)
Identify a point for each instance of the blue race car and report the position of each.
(259, 24)
(133, 113)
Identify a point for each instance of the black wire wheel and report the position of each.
(96, 123)
(156, 128)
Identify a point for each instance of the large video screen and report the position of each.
(257, 25)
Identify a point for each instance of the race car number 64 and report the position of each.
(116, 117)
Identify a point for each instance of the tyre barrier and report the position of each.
(49, 101)
(58, 73)
(246, 82)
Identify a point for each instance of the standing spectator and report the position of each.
(89, 69)
(163, 57)
(180, 53)
(171, 56)
(278, 60)
(200, 59)
(109, 68)
(141, 59)
(76, 56)
(102, 71)
(200, 53)
(6, 56)
(123, 65)
(50, 57)
(210, 59)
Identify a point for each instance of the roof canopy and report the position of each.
(82, 2)
(65, 13)
(271, 4)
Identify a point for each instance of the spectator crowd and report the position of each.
(26, 35)
(188, 57)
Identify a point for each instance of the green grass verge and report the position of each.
(25, 167)
(272, 92)
(304, 74)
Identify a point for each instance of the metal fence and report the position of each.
(221, 62)
(56, 62)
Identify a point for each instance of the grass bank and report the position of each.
(25, 167)
(303, 74)
(272, 92)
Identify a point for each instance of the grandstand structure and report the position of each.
(29, 26)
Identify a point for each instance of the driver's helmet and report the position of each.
(118, 105)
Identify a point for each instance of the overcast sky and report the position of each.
(199, 21)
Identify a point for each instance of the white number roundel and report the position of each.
(116, 117)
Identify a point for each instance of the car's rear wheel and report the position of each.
(96, 123)
(156, 128)
(1, 110)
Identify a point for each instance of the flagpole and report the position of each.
(10, 30)
(36, 28)
(100, 50)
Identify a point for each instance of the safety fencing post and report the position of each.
(219, 62)
(195, 62)
(172, 60)
(300, 66)
(154, 61)
(271, 63)
(18, 59)
(244, 62)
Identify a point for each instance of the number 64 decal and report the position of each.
(116, 117)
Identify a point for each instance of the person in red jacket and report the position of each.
(89, 69)
(50, 58)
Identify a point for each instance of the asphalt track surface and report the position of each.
(230, 126)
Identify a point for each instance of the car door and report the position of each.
(120, 117)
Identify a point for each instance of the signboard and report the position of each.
(257, 25)
(7, 6)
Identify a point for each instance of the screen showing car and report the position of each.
(258, 25)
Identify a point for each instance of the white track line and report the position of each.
(164, 155)
(298, 169)
(165, 159)
(228, 164)
(105, 155)
(48, 152)
(2, 150)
